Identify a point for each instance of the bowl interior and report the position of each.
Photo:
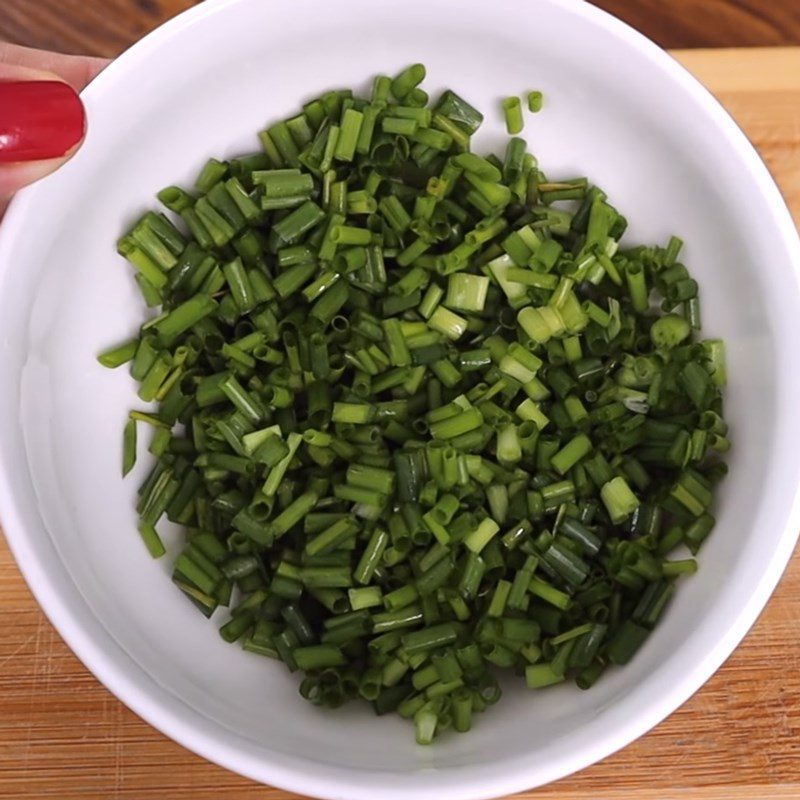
(615, 110)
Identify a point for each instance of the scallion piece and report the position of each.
(535, 101)
(512, 111)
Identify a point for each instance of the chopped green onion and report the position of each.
(418, 418)
(512, 111)
(535, 101)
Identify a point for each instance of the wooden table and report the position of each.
(62, 735)
(106, 27)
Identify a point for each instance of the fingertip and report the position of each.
(39, 120)
(42, 118)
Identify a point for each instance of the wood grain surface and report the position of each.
(107, 27)
(711, 23)
(62, 735)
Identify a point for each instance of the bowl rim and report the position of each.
(138, 690)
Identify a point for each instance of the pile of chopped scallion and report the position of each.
(420, 413)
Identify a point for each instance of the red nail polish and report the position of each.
(39, 120)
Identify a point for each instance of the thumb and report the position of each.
(42, 123)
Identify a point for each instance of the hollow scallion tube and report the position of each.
(512, 112)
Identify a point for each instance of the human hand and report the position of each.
(42, 119)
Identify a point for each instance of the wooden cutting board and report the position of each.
(64, 736)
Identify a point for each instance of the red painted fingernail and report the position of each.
(39, 120)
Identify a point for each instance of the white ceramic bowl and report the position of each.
(617, 109)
